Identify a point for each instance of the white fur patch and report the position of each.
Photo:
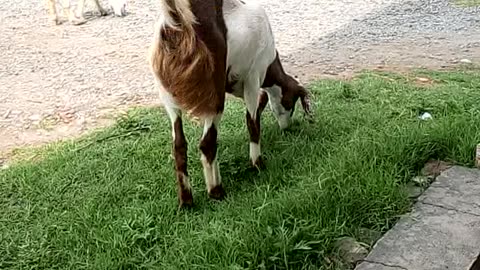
(251, 45)
(254, 152)
(274, 101)
(186, 182)
(211, 171)
(283, 120)
(183, 8)
(119, 7)
(251, 49)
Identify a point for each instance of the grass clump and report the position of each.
(108, 201)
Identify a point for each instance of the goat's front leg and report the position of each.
(80, 10)
(52, 11)
(100, 8)
(255, 102)
(184, 189)
(70, 14)
(208, 147)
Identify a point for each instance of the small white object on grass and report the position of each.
(422, 181)
(466, 61)
(3, 164)
(425, 116)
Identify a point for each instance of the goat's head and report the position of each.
(283, 93)
(282, 100)
(119, 7)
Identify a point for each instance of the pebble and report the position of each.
(425, 116)
(422, 181)
(413, 190)
(330, 72)
(466, 61)
(7, 114)
(34, 117)
(350, 250)
(369, 236)
(423, 80)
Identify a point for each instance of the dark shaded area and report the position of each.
(476, 264)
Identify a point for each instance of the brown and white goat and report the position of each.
(203, 49)
(118, 6)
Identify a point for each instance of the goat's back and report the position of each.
(251, 45)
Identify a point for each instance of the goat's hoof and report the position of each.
(259, 164)
(217, 193)
(78, 21)
(103, 12)
(185, 198)
(55, 21)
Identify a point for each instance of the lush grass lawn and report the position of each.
(112, 204)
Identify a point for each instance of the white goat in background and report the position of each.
(118, 6)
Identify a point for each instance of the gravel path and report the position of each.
(59, 81)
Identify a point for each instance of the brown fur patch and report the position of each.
(291, 89)
(185, 199)
(189, 59)
(208, 145)
(263, 101)
(476, 264)
(180, 148)
(217, 193)
(180, 152)
(185, 67)
(260, 163)
(253, 127)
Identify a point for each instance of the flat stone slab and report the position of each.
(441, 233)
(457, 188)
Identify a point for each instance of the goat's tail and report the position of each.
(182, 61)
(175, 28)
(177, 14)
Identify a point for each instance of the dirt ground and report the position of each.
(61, 81)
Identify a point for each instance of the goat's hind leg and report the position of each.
(208, 147)
(72, 18)
(184, 189)
(100, 8)
(52, 11)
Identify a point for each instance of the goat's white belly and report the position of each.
(251, 46)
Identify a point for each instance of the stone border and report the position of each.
(442, 231)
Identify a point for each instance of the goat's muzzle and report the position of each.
(305, 99)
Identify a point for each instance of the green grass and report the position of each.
(467, 3)
(112, 204)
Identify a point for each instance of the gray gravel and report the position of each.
(409, 19)
(433, 34)
(58, 81)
